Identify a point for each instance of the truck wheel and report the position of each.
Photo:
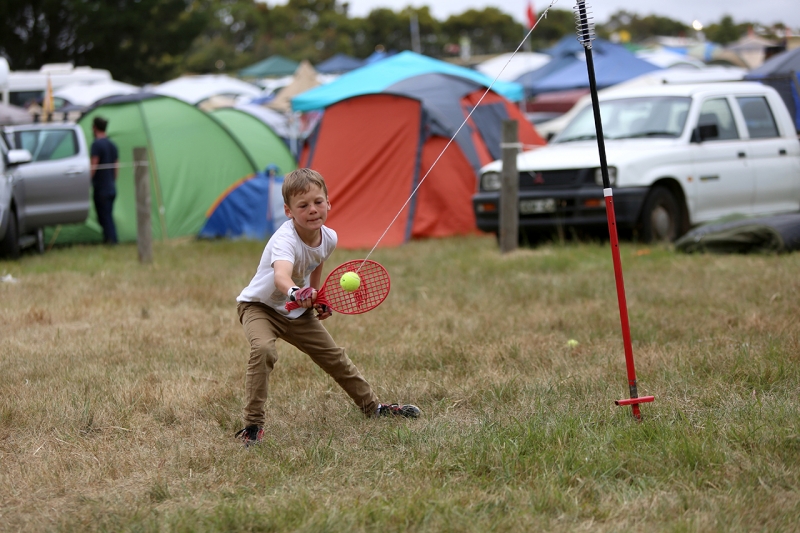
(9, 246)
(660, 221)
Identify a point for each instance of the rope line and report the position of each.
(469, 115)
(122, 165)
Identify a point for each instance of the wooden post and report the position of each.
(144, 232)
(509, 190)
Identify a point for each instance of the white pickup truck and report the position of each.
(44, 181)
(678, 155)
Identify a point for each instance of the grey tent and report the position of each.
(778, 233)
(781, 72)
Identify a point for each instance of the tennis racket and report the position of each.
(372, 291)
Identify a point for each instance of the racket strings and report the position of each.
(469, 115)
(373, 289)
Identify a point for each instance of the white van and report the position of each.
(26, 86)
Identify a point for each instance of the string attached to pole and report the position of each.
(469, 115)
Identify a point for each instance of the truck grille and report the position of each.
(548, 179)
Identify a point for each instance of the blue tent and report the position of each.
(530, 80)
(378, 55)
(613, 64)
(565, 52)
(381, 76)
(250, 209)
(569, 45)
(339, 64)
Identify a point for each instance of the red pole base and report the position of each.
(635, 401)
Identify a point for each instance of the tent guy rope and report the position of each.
(123, 165)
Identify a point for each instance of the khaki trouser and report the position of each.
(263, 325)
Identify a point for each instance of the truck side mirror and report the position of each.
(18, 157)
(703, 133)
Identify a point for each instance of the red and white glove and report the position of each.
(298, 295)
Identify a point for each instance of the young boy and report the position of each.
(291, 269)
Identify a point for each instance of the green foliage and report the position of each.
(725, 31)
(641, 28)
(137, 40)
(559, 22)
(490, 31)
(385, 28)
(227, 40)
(31, 32)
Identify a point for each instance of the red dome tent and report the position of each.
(375, 147)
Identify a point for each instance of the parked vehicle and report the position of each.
(678, 155)
(23, 87)
(44, 181)
(667, 76)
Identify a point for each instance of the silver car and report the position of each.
(44, 181)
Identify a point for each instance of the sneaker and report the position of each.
(393, 409)
(251, 435)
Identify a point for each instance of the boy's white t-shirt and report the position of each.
(285, 244)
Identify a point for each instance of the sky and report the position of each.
(707, 12)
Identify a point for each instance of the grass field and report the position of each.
(121, 387)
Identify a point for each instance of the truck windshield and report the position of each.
(628, 118)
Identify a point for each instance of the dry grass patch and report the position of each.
(122, 385)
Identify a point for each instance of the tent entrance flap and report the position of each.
(451, 182)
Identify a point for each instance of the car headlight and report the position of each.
(612, 176)
(491, 181)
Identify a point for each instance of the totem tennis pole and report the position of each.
(585, 36)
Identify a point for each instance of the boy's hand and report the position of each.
(323, 311)
(305, 297)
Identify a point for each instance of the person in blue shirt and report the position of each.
(104, 178)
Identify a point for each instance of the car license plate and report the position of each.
(532, 207)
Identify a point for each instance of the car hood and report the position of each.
(585, 154)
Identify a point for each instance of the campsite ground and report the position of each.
(122, 386)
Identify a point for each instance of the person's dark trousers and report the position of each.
(104, 205)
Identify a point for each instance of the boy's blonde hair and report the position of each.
(300, 181)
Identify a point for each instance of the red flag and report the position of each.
(531, 13)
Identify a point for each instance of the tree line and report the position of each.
(144, 41)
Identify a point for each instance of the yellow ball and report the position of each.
(572, 343)
(350, 281)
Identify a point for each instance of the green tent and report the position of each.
(263, 145)
(193, 159)
(273, 67)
